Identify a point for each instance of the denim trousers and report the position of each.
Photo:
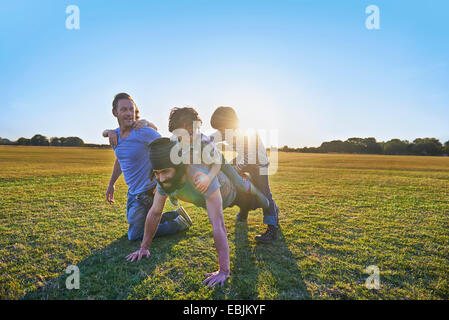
(270, 215)
(136, 212)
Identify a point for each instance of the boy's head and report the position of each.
(224, 118)
(182, 118)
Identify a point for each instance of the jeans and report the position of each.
(270, 215)
(136, 213)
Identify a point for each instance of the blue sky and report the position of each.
(310, 69)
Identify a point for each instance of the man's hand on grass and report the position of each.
(110, 194)
(137, 255)
(217, 277)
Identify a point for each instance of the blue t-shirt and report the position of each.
(133, 155)
(189, 194)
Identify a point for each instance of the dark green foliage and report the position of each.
(420, 146)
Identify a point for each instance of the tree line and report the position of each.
(419, 146)
(40, 140)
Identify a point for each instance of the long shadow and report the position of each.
(279, 265)
(244, 274)
(263, 271)
(106, 274)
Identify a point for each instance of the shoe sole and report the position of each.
(264, 241)
(183, 213)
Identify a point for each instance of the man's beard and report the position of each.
(175, 182)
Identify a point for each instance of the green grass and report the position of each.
(339, 214)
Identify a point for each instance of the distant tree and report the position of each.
(4, 141)
(335, 146)
(55, 141)
(425, 146)
(71, 142)
(354, 145)
(39, 140)
(446, 147)
(372, 146)
(23, 141)
(363, 145)
(396, 146)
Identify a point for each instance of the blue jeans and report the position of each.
(270, 215)
(136, 213)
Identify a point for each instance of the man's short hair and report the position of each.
(224, 118)
(182, 117)
(124, 95)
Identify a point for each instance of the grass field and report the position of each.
(338, 214)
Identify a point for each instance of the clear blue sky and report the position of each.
(310, 69)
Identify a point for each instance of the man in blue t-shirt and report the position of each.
(132, 158)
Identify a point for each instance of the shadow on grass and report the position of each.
(278, 266)
(106, 274)
(244, 274)
(263, 271)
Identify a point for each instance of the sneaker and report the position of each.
(242, 216)
(269, 236)
(182, 222)
(183, 213)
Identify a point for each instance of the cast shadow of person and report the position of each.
(263, 271)
(106, 274)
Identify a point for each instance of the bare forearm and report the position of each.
(215, 212)
(116, 172)
(151, 225)
(221, 244)
(153, 219)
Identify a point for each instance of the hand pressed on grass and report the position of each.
(137, 255)
(214, 278)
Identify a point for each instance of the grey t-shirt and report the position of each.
(189, 194)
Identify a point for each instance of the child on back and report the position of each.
(187, 119)
(249, 160)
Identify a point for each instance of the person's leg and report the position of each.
(243, 185)
(173, 222)
(246, 202)
(270, 214)
(137, 210)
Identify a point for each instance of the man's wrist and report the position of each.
(225, 271)
(145, 245)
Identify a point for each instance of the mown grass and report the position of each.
(339, 214)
